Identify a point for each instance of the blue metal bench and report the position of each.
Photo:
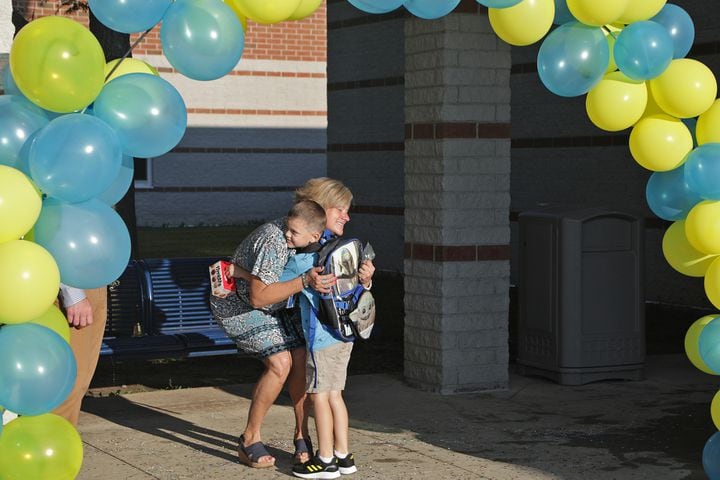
(159, 308)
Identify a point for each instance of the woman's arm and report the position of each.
(263, 295)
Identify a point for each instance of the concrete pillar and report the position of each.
(457, 200)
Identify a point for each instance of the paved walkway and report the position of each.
(651, 429)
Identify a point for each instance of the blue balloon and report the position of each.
(117, 190)
(376, 6)
(500, 3)
(147, 113)
(9, 85)
(431, 9)
(562, 13)
(19, 120)
(88, 240)
(37, 368)
(710, 345)
(572, 59)
(679, 26)
(711, 457)
(75, 157)
(702, 171)
(129, 16)
(669, 196)
(202, 39)
(643, 50)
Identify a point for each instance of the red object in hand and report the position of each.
(220, 285)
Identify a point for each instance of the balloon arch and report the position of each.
(70, 125)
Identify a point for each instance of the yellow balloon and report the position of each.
(682, 256)
(40, 446)
(128, 65)
(29, 281)
(692, 343)
(707, 129)
(712, 283)
(54, 319)
(685, 89)
(660, 142)
(241, 16)
(57, 64)
(267, 11)
(597, 13)
(652, 108)
(616, 102)
(637, 10)
(305, 9)
(702, 227)
(524, 23)
(20, 204)
(715, 410)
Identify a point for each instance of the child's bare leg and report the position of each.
(340, 421)
(323, 423)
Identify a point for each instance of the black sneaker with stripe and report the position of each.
(316, 468)
(347, 465)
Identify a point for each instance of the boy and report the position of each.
(326, 372)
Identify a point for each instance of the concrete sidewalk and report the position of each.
(652, 429)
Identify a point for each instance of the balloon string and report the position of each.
(140, 39)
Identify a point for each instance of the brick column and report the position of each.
(457, 200)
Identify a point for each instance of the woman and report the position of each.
(257, 320)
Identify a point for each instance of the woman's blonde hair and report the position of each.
(326, 191)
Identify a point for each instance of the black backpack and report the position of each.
(349, 309)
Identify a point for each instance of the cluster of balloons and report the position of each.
(202, 39)
(427, 9)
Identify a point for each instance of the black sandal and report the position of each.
(302, 445)
(252, 453)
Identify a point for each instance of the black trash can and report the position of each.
(581, 300)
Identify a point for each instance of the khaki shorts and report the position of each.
(326, 369)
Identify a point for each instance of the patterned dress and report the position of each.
(259, 332)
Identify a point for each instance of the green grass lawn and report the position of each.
(191, 241)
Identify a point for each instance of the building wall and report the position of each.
(559, 158)
(366, 123)
(253, 136)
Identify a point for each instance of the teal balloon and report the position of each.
(711, 457)
(572, 59)
(431, 9)
(129, 16)
(9, 85)
(376, 6)
(702, 171)
(562, 13)
(19, 120)
(643, 50)
(37, 368)
(147, 113)
(669, 196)
(710, 345)
(499, 3)
(202, 39)
(679, 26)
(88, 240)
(75, 157)
(117, 190)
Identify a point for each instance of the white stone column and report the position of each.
(457, 200)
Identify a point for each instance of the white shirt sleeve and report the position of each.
(71, 295)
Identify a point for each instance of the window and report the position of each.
(143, 173)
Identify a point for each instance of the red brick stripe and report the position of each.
(252, 111)
(215, 189)
(257, 73)
(456, 253)
(430, 131)
(569, 142)
(368, 83)
(303, 151)
(366, 147)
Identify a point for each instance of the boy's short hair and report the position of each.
(311, 213)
